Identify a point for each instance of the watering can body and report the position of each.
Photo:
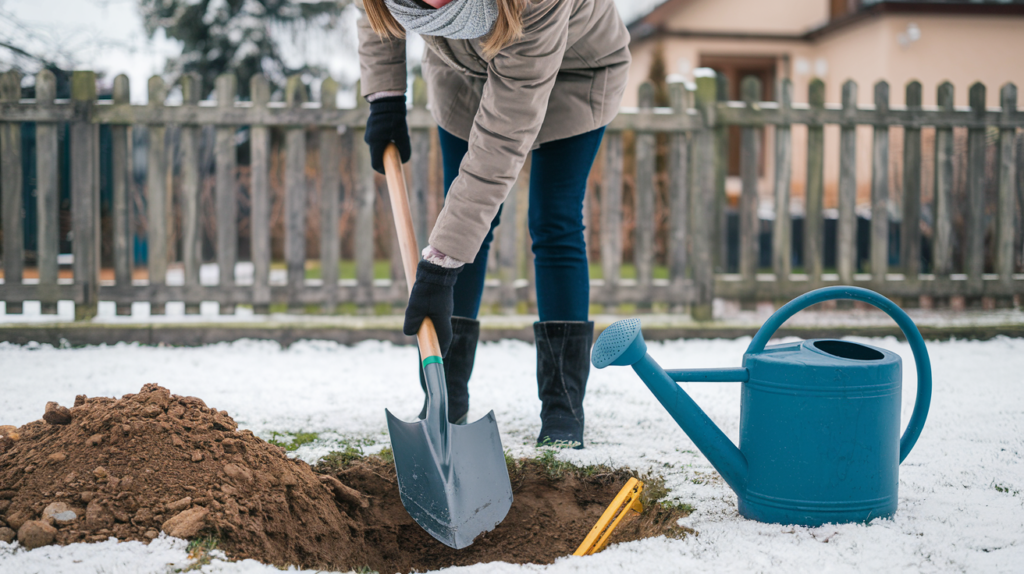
(820, 433)
(819, 419)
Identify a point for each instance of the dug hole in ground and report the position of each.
(186, 456)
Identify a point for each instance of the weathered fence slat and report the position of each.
(259, 137)
(85, 196)
(880, 190)
(295, 195)
(1007, 202)
(910, 231)
(330, 188)
(678, 196)
(718, 241)
(750, 157)
(643, 196)
(703, 199)
(943, 194)
(191, 91)
(420, 166)
(10, 166)
(974, 252)
(814, 223)
(508, 243)
(156, 195)
(225, 184)
(366, 194)
(782, 231)
(847, 225)
(47, 198)
(611, 216)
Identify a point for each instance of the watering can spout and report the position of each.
(622, 344)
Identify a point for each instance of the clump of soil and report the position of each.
(151, 462)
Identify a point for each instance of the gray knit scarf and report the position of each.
(457, 20)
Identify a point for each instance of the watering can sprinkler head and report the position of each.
(621, 344)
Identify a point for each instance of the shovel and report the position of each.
(453, 479)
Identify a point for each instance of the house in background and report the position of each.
(962, 42)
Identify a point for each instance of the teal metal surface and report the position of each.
(819, 419)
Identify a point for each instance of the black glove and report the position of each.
(387, 124)
(432, 297)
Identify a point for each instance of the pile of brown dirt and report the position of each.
(153, 461)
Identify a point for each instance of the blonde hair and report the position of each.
(507, 28)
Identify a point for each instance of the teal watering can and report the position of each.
(819, 419)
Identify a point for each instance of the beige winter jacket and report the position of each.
(564, 77)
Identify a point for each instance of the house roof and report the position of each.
(653, 22)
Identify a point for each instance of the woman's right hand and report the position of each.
(385, 125)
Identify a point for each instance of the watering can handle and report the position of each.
(924, 367)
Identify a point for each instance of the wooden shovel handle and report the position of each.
(427, 336)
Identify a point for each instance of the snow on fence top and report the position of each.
(679, 220)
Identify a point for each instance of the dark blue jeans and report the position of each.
(558, 182)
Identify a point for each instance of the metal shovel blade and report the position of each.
(454, 498)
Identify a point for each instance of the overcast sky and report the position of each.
(107, 36)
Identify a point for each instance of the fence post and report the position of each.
(420, 167)
(508, 252)
(643, 196)
(611, 217)
(678, 197)
(974, 252)
(47, 194)
(943, 252)
(330, 188)
(880, 188)
(721, 158)
(191, 92)
(85, 196)
(782, 231)
(847, 224)
(259, 162)
(156, 196)
(910, 231)
(12, 189)
(226, 192)
(750, 157)
(814, 224)
(704, 223)
(295, 196)
(365, 194)
(1007, 208)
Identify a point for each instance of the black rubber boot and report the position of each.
(458, 366)
(563, 365)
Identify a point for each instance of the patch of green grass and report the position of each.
(352, 450)
(1006, 489)
(296, 440)
(387, 455)
(346, 269)
(341, 458)
(199, 550)
(627, 271)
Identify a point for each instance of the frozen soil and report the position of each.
(153, 462)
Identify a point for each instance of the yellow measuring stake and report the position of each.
(628, 499)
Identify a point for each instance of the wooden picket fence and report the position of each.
(694, 125)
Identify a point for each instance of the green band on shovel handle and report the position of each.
(432, 359)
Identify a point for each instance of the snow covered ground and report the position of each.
(961, 489)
